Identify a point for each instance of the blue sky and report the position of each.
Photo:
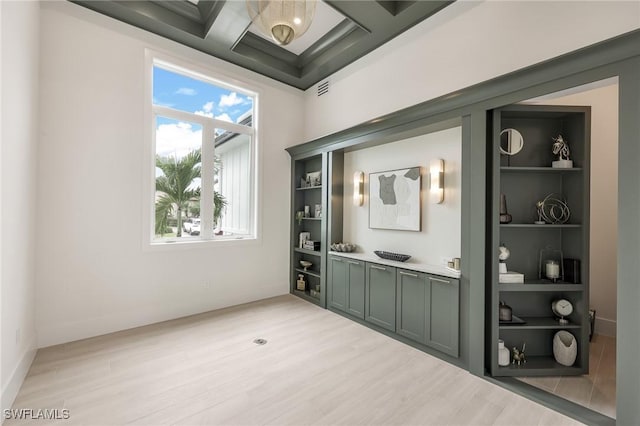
(188, 94)
(177, 138)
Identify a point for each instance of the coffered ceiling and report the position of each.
(342, 31)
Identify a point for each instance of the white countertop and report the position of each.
(413, 266)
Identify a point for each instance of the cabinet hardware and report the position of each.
(439, 280)
(337, 260)
(408, 274)
(353, 263)
(378, 267)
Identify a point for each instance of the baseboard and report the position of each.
(605, 327)
(13, 385)
(72, 331)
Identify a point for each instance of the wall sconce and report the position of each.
(358, 188)
(436, 178)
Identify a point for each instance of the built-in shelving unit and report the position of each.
(525, 178)
(309, 193)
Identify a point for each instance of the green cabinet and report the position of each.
(380, 296)
(412, 305)
(443, 314)
(346, 285)
(338, 284)
(355, 304)
(428, 310)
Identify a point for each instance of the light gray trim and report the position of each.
(628, 343)
(341, 33)
(474, 193)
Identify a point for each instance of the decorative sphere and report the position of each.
(504, 253)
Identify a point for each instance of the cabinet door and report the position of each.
(338, 284)
(443, 298)
(411, 305)
(380, 296)
(356, 289)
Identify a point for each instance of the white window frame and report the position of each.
(209, 126)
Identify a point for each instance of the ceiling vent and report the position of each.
(323, 88)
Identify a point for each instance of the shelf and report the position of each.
(311, 252)
(539, 366)
(309, 272)
(312, 218)
(539, 323)
(309, 187)
(539, 169)
(533, 225)
(540, 285)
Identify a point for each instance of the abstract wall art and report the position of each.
(394, 199)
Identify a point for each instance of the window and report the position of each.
(204, 152)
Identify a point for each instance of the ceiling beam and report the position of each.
(219, 28)
(209, 10)
(229, 23)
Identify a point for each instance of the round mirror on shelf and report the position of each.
(511, 142)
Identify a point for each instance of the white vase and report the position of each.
(565, 348)
(503, 354)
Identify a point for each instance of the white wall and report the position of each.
(20, 22)
(604, 199)
(440, 235)
(93, 274)
(464, 44)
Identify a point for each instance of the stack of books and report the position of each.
(311, 245)
(511, 277)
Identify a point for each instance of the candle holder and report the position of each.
(551, 265)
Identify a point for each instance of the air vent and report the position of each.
(323, 88)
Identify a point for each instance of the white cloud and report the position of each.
(177, 139)
(206, 110)
(230, 100)
(186, 91)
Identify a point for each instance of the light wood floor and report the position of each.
(317, 368)
(597, 390)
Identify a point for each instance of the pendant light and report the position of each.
(282, 20)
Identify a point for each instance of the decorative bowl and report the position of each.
(392, 256)
(305, 264)
(343, 247)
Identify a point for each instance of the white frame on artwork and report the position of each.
(408, 216)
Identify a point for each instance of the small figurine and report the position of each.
(518, 356)
(561, 149)
(540, 210)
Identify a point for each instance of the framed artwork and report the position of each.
(394, 199)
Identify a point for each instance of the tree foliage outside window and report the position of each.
(178, 193)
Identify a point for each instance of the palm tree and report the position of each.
(175, 187)
(176, 190)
